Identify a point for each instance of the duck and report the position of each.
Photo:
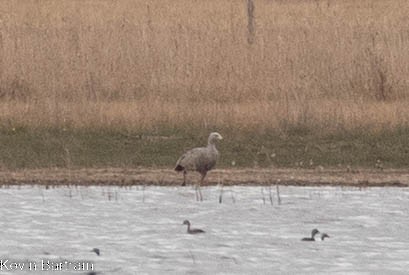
(96, 251)
(313, 233)
(194, 230)
(323, 236)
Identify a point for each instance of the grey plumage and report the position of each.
(201, 159)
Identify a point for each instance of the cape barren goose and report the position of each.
(313, 233)
(194, 230)
(201, 159)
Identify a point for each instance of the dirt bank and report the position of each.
(163, 177)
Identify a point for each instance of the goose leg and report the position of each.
(184, 178)
(197, 192)
(201, 182)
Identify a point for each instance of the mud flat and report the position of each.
(168, 177)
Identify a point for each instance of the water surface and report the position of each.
(139, 230)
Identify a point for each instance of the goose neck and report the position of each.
(211, 145)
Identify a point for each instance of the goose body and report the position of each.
(200, 159)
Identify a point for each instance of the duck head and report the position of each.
(314, 232)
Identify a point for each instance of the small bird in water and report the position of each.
(323, 236)
(313, 233)
(194, 230)
(96, 250)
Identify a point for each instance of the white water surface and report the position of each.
(139, 230)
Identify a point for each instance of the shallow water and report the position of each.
(139, 230)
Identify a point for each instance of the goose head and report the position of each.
(213, 137)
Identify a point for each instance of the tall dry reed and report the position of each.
(326, 64)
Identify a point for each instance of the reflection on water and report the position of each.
(139, 230)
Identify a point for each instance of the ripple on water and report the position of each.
(139, 230)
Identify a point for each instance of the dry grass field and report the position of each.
(187, 67)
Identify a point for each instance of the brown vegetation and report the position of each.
(321, 64)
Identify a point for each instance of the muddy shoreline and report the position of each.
(168, 177)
